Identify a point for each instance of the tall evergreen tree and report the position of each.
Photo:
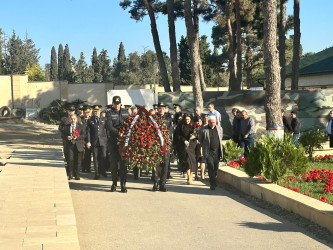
(173, 46)
(67, 66)
(53, 65)
(282, 42)
(14, 58)
(194, 53)
(83, 73)
(296, 46)
(272, 72)
(104, 63)
(184, 61)
(30, 52)
(60, 62)
(96, 67)
(120, 65)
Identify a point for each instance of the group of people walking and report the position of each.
(92, 133)
(197, 141)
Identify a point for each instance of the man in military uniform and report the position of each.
(80, 112)
(115, 117)
(97, 140)
(160, 174)
(87, 151)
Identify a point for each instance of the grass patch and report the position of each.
(312, 187)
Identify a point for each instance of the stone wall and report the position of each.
(312, 106)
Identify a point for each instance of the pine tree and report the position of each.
(14, 63)
(60, 62)
(67, 65)
(272, 70)
(54, 65)
(82, 72)
(30, 53)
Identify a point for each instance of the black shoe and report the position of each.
(113, 188)
(77, 178)
(212, 186)
(123, 187)
(162, 188)
(104, 175)
(96, 177)
(155, 187)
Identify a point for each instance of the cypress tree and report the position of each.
(67, 64)
(54, 65)
(184, 61)
(120, 66)
(60, 62)
(104, 63)
(96, 67)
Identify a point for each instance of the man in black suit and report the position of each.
(97, 140)
(115, 117)
(74, 134)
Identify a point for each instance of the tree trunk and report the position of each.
(157, 45)
(282, 42)
(196, 35)
(273, 82)
(296, 46)
(231, 55)
(173, 47)
(194, 54)
(239, 72)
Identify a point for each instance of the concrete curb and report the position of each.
(309, 208)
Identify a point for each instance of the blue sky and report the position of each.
(85, 24)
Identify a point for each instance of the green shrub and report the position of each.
(312, 139)
(231, 151)
(56, 110)
(275, 158)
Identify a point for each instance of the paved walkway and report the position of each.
(36, 209)
(185, 217)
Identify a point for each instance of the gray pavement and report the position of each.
(185, 217)
(36, 209)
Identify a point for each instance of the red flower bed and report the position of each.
(321, 176)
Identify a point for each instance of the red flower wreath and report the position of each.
(143, 140)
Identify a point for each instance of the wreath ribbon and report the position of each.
(143, 110)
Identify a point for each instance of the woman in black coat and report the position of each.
(186, 147)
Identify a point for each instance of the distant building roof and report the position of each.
(319, 63)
